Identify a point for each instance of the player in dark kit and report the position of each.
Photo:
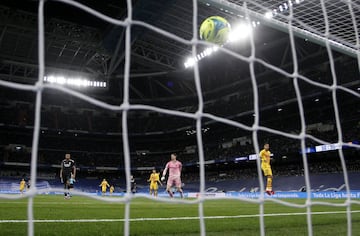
(67, 169)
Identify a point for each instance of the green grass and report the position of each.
(49, 207)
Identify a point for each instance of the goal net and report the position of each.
(328, 27)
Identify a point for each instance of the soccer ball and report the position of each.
(215, 29)
(162, 178)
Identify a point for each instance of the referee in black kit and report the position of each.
(67, 168)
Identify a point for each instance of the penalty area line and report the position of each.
(172, 218)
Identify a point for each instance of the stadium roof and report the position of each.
(79, 42)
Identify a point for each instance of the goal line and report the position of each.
(176, 218)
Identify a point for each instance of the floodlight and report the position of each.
(73, 81)
(240, 32)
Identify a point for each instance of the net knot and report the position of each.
(39, 85)
(125, 106)
(198, 115)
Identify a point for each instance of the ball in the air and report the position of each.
(162, 178)
(215, 29)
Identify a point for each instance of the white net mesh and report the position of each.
(334, 21)
(333, 24)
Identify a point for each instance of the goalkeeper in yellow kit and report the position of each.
(266, 168)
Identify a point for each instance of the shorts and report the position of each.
(66, 177)
(174, 180)
(267, 170)
(154, 186)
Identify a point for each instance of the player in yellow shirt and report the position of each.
(112, 188)
(22, 186)
(104, 185)
(154, 180)
(266, 168)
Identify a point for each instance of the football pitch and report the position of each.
(54, 215)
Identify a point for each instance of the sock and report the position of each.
(269, 184)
